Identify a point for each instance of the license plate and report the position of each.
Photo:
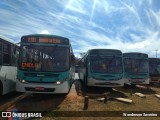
(137, 80)
(39, 88)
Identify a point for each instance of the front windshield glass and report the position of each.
(136, 65)
(106, 64)
(44, 58)
(154, 67)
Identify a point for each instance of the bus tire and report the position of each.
(1, 88)
(133, 85)
(85, 80)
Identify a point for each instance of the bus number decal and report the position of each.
(29, 65)
(31, 39)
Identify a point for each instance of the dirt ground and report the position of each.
(72, 104)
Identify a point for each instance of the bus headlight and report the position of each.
(60, 82)
(23, 81)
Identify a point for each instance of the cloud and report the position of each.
(126, 25)
(156, 16)
(139, 45)
(94, 36)
(74, 6)
(44, 32)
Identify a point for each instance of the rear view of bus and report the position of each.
(102, 68)
(45, 64)
(154, 69)
(136, 68)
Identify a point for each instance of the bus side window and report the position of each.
(1, 53)
(14, 55)
(6, 54)
(0, 58)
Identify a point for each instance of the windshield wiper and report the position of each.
(49, 53)
(140, 62)
(111, 60)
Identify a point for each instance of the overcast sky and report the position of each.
(128, 25)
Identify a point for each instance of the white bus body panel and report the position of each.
(8, 78)
(128, 81)
(105, 83)
(62, 88)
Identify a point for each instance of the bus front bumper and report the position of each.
(137, 81)
(105, 83)
(50, 88)
(154, 79)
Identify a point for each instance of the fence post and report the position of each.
(86, 102)
(105, 97)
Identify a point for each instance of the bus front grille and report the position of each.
(107, 83)
(40, 74)
(40, 82)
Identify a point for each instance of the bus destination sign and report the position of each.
(44, 40)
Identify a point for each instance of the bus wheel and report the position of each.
(85, 88)
(1, 88)
(133, 85)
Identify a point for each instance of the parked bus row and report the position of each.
(111, 68)
(46, 65)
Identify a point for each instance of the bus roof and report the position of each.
(154, 58)
(135, 54)
(7, 39)
(157, 60)
(44, 35)
(45, 38)
(105, 51)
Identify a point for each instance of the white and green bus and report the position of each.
(45, 64)
(136, 68)
(154, 70)
(8, 65)
(102, 68)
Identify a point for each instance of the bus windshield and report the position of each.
(44, 58)
(154, 67)
(136, 65)
(106, 64)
